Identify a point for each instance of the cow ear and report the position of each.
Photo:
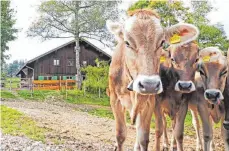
(181, 34)
(115, 28)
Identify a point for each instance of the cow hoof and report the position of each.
(116, 148)
(199, 149)
(226, 125)
(165, 149)
(174, 149)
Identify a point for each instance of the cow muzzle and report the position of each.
(146, 85)
(214, 96)
(185, 86)
(226, 125)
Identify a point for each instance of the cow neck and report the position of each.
(128, 72)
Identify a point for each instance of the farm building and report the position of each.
(60, 61)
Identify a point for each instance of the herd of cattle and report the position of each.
(161, 71)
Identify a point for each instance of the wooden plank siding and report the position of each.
(44, 66)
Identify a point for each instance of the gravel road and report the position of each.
(77, 130)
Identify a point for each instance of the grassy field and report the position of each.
(12, 82)
(39, 95)
(16, 123)
(78, 97)
(7, 95)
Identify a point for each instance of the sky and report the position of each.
(28, 48)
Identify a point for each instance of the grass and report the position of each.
(78, 97)
(37, 94)
(7, 95)
(14, 82)
(16, 123)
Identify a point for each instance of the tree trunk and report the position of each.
(77, 47)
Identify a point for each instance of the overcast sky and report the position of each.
(28, 48)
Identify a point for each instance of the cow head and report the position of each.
(213, 69)
(184, 60)
(142, 37)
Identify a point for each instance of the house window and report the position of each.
(70, 62)
(56, 62)
(84, 63)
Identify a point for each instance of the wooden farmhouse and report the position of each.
(60, 62)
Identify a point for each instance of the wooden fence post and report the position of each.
(66, 86)
(31, 86)
(10, 85)
(60, 83)
(99, 92)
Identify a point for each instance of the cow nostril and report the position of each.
(180, 86)
(208, 94)
(190, 85)
(140, 85)
(158, 84)
(217, 95)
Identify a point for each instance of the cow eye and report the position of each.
(127, 43)
(223, 73)
(173, 60)
(201, 72)
(197, 60)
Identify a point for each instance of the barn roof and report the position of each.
(99, 47)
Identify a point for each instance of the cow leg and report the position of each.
(207, 127)
(165, 136)
(143, 128)
(212, 145)
(120, 122)
(196, 124)
(179, 125)
(173, 144)
(158, 125)
(225, 134)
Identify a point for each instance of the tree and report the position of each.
(7, 28)
(175, 11)
(170, 13)
(96, 77)
(12, 68)
(74, 19)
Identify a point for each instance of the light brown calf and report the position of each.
(178, 82)
(213, 68)
(135, 64)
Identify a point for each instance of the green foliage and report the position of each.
(16, 123)
(12, 82)
(101, 112)
(96, 77)
(78, 97)
(168, 11)
(40, 95)
(172, 13)
(7, 30)
(12, 68)
(7, 95)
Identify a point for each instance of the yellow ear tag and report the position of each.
(175, 39)
(162, 59)
(206, 58)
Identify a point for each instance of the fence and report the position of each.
(29, 84)
(53, 84)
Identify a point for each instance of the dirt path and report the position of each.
(86, 131)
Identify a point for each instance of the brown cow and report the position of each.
(213, 68)
(225, 128)
(135, 64)
(177, 78)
